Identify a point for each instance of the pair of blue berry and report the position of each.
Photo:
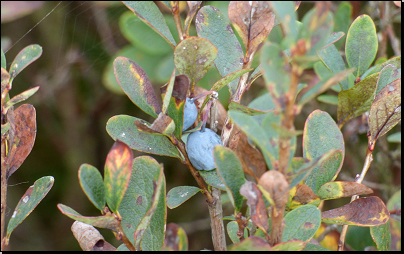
(200, 143)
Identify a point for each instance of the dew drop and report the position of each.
(14, 214)
(184, 47)
(123, 134)
(184, 194)
(25, 199)
(391, 88)
(195, 47)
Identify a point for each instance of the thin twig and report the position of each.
(175, 8)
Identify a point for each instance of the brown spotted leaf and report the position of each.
(117, 171)
(256, 203)
(365, 212)
(193, 57)
(300, 195)
(385, 111)
(339, 189)
(253, 21)
(25, 132)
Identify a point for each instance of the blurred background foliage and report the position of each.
(78, 94)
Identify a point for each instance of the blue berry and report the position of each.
(190, 114)
(200, 146)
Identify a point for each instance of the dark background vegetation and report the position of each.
(73, 106)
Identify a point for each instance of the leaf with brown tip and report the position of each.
(365, 212)
(385, 111)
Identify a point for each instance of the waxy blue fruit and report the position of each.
(200, 146)
(190, 114)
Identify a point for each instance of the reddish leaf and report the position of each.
(118, 168)
(385, 111)
(175, 239)
(253, 21)
(258, 212)
(25, 132)
(365, 212)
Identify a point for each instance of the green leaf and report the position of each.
(254, 131)
(385, 111)
(356, 100)
(136, 85)
(232, 228)
(29, 201)
(168, 93)
(122, 127)
(148, 63)
(159, 192)
(339, 189)
(334, 62)
(20, 97)
(137, 201)
(235, 106)
(151, 15)
(301, 223)
(323, 85)
(176, 104)
(24, 58)
(285, 12)
(394, 138)
(142, 35)
(334, 37)
(274, 66)
(316, 28)
(93, 185)
(213, 179)
(328, 98)
(314, 247)
(395, 61)
(361, 44)
(213, 25)
(306, 168)
(228, 78)
(321, 134)
(117, 171)
(193, 57)
(252, 243)
(365, 212)
(342, 20)
(3, 60)
(108, 220)
(231, 172)
(178, 195)
(293, 245)
(382, 236)
(388, 74)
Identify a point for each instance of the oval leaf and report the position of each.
(365, 212)
(320, 135)
(137, 201)
(21, 97)
(24, 139)
(385, 111)
(25, 57)
(231, 172)
(232, 228)
(135, 83)
(117, 171)
(178, 195)
(145, 222)
(301, 223)
(213, 25)
(361, 44)
(337, 189)
(93, 185)
(381, 235)
(29, 201)
(122, 127)
(193, 57)
(108, 220)
(213, 179)
(151, 15)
